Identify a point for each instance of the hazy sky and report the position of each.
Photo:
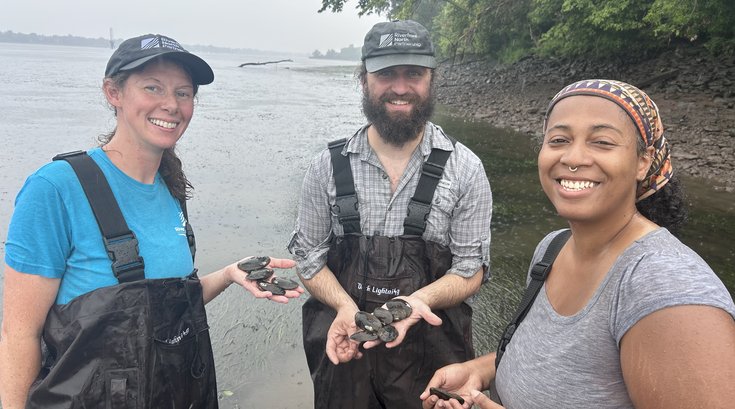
(278, 25)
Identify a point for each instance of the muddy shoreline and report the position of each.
(694, 90)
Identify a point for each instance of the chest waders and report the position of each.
(373, 270)
(143, 343)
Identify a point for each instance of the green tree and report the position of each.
(593, 28)
(509, 29)
(711, 21)
(365, 6)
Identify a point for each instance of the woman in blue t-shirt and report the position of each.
(133, 334)
(628, 316)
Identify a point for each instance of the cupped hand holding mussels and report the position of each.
(377, 325)
(257, 270)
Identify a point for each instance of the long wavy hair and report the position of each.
(171, 169)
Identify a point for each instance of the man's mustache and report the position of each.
(392, 96)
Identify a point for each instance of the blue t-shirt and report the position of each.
(53, 232)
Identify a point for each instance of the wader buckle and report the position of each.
(417, 214)
(345, 207)
(127, 265)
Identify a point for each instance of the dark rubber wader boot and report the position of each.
(139, 344)
(374, 270)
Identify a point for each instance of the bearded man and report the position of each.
(398, 210)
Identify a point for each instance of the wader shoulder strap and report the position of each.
(539, 272)
(420, 204)
(189, 231)
(345, 206)
(119, 240)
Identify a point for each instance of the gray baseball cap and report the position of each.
(399, 42)
(136, 51)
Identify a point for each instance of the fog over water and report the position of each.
(276, 25)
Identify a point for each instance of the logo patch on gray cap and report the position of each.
(386, 40)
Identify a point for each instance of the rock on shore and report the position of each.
(694, 90)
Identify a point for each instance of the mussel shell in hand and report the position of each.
(387, 333)
(367, 321)
(253, 263)
(274, 289)
(399, 308)
(362, 336)
(260, 274)
(385, 316)
(446, 395)
(285, 283)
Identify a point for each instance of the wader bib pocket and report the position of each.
(380, 268)
(181, 346)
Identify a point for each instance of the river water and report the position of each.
(255, 129)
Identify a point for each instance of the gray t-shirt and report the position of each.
(556, 361)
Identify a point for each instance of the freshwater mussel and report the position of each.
(387, 333)
(368, 322)
(253, 263)
(377, 325)
(285, 283)
(274, 289)
(399, 308)
(258, 272)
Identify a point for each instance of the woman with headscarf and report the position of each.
(627, 316)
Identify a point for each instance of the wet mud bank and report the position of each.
(695, 92)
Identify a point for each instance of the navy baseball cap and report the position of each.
(136, 51)
(399, 42)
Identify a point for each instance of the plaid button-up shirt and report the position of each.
(460, 213)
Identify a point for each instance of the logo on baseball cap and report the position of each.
(400, 42)
(136, 51)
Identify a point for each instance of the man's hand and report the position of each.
(340, 348)
(420, 311)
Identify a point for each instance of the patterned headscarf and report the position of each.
(644, 113)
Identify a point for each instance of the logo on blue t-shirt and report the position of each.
(181, 231)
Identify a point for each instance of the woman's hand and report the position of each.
(455, 378)
(234, 274)
(462, 379)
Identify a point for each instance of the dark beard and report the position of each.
(397, 129)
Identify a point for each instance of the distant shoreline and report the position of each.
(100, 42)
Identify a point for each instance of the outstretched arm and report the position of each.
(214, 283)
(680, 357)
(27, 299)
